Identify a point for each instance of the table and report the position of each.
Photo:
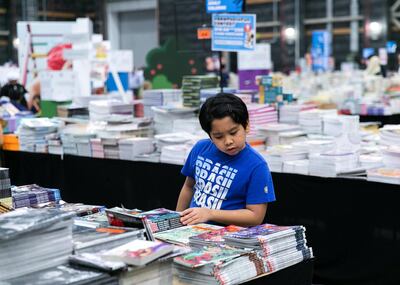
(352, 225)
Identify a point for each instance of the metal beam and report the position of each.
(354, 36)
(329, 15)
(317, 21)
(268, 24)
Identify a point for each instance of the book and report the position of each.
(138, 252)
(121, 217)
(182, 235)
(214, 237)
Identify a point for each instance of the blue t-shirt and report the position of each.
(225, 182)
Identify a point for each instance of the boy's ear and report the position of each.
(247, 127)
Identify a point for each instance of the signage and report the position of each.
(224, 6)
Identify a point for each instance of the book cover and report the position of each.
(139, 252)
(214, 236)
(121, 217)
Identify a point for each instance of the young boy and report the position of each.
(227, 181)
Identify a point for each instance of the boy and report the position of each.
(227, 181)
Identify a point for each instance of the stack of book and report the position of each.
(129, 148)
(160, 97)
(275, 131)
(191, 125)
(72, 111)
(97, 148)
(331, 163)
(384, 175)
(278, 154)
(93, 240)
(6, 202)
(169, 139)
(247, 253)
(390, 135)
(315, 146)
(289, 114)
(38, 239)
(184, 234)
(296, 166)
(369, 161)
(164, 117)
(311, 121)
(211, 92)
(175, 154)
(55, 144)
(32, 133)
(391, 156)
(214, 237)
(101, 110)
(261, 115)
(192, 85)
(65, 274)
(33, 195)
(110, 147)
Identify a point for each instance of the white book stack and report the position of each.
(101, 110)
(191, 125)
(315, 146)
(165, 116)
(274, 131)
(391, 156)
(174, 139)
(330, 164)
(97, 148)
(55, 146)
(332, 125)
(261, 115)
(110, 146)
(311, 121)
(32, 133)
(129, 148)
(160, 97)
(76, 140)
(384, 175)
(211, 92)
(289, 114)
(175, 154)
(276, 155)
(390, 135)
(296, 166)
(369, 161)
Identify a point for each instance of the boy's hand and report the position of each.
(193, 216)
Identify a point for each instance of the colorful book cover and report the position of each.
(121, 217)
(265, 230)
(208, 255)
(182, 235)
(215, 236)
(139, 252)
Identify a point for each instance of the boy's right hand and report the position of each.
(194, 216)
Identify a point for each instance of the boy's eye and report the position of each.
(233, 133)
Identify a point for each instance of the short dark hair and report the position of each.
(221, 106)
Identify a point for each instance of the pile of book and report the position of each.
(32, 133)
(160, 97)
(391, 156)
(279, 133)
(33, 195)
(130, 148)
(311, 121)
(97, 148)
(278, 154)
(261, 115)
(289, 114)
(241, 254)
(210, 92)
(331, 163)
(384, 175)
(164, 117)
(390, 135)
(101, 110)
(6, 203)
(296, 166)
(72, 111)
(175, 154)
(38, 239)
(192, 85)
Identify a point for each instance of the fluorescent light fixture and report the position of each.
(375, 30)
(15, 43)
(290, 34)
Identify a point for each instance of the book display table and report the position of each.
(352, 225)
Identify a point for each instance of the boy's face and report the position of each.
(228, 136)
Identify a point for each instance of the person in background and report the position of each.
(136, 80)
(15, 91)
(227, 181)
(373, 66)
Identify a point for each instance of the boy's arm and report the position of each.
(251, 216)
(186, 194)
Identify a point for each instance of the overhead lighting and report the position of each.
(375, 30)
(290, 34)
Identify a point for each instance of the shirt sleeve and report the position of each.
(260, 188)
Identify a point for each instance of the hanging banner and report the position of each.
(233, 32)
(224, 6)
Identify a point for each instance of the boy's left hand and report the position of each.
(193, 216)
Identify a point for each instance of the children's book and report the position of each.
(208, 255)
(138, 252)
(214, 237)
(121, 217)
(182, 235)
